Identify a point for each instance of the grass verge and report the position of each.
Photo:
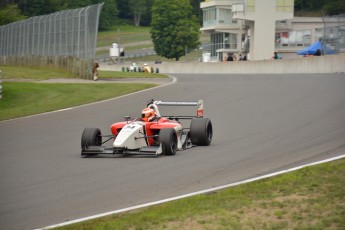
(38, 74)
(15, 72)
(28, 98)
(310, 198)
(116, 74)
(123, 34)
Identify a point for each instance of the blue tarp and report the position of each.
(310, 50)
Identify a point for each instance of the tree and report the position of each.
(196, 9)
(41, 7)
(174, 28)
(109, 14)
(321, 6)
(139, 10)
(124, 9)
(10, 13)
(138, 7)
(146, 17)
(334, 7)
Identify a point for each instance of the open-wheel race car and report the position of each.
(152, 133)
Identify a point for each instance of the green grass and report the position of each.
(31, 97)
(15, 72)
(116, 74)
(310, 198)
(27, 98)
(106, 50)
(38, 74)
(126, 34)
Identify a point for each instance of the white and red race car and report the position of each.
(163, 135)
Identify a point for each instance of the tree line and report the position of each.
(322, 7)
(175, 24)
(137, 12)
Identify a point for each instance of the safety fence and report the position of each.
(53, 39)
(333, 32)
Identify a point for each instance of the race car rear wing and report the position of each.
(199, 104)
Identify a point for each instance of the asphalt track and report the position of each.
(262, 124)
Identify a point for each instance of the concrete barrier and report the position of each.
(323, 64)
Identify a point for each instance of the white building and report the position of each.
(257, 28)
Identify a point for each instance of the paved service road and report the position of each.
(262, 123)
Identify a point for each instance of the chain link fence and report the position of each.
(333, 33)
(53, 40)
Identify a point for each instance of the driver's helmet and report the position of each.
(147, 114)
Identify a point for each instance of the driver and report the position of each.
(148, 114)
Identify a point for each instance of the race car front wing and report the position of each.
(95, 150)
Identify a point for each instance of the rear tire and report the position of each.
(168, 139)
(90, 137)
(201, 131)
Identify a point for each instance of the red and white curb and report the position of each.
(190, 194)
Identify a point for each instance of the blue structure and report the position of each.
(310, 50)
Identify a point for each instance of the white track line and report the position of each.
(191, 194)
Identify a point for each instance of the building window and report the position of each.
(226, 17)
(284, 6)
(227, 41)
(209, 16)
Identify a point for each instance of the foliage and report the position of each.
(325, 7)
(174, 28)
(109, 14)
(124, 10)
(31, 8)
(334, 7)
(196, 9)
(139, 8)
(142, 9)
(10, 13)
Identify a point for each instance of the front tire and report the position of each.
(168, 140)
(201, 131)
(90, 137)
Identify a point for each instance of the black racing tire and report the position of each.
(201, 131)
(91, 137)
(168, 139)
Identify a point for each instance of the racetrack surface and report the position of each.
(262, 123)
